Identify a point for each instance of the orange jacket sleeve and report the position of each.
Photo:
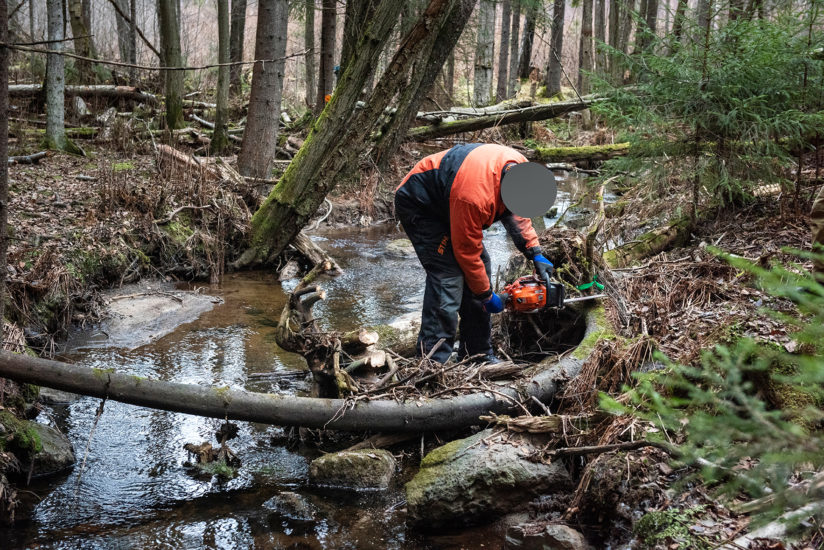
(466, 222)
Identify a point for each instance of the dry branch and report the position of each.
(28, 159)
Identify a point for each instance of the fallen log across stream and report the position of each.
(283, 410)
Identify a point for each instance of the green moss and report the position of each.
(662, 526)
(598, 328)
(102, 373)
(570, 154)
(428, 473)
(218, 468)
(178, 231)
(19, 435)
(122, 166)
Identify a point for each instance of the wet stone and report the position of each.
(361, 469)
(57, 454)
(549, 537)
(400, 248)
(291, 506)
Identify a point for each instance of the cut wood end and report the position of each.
(368, 337)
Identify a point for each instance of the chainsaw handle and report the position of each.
(504, 297)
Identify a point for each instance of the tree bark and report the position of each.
(124, 45)
(556, 47)
(337, 414)
(614, 36)
(627, 8)
(600, 36)
(326, 75)
(133, 41)
(55, 80)
(585, 50)
(169, 29)
(82, 41)
(4, 154)
(220, 137)
(358, 13)
(32, 56)
(449, 76)
(237, 36)
(539, 112)
(650, 17)
(525, 62)
(484, 53)
(514, 43)
(260, 136)
(703, 20)
(427, 47)
(309, 56)
(312, 173)
(503, 51)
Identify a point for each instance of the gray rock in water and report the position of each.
(57, 454)
(400, 248)
(291, 506)
(469, 479)
(361, 469)
(51, 396)
(548, 537)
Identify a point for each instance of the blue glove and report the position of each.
(493, 304)
(543, 267)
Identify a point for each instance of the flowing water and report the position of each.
(131, 489)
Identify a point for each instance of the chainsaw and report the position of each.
(530, 294)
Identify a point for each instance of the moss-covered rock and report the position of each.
(360, 469)
(49, 449)
(468, 480)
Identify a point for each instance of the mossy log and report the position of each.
(526, 114)
(283, 410)
(675, 233)
(578, 154)
(130, 93)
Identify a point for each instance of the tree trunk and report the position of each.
(55, 80)
(309, 56)
(678, 25)
(220, 137)
(82, 41)
(237, 36)
(484, 53)
(556, 47)
(4, 154)
(32, 56)
(169, 29)
(326, 76)
(133, 41)
(124, 46)
(525, 61)
(358, 13)
(503, 51)
(260, 136)
(449, 76)
(312, 173)
(286, 410)
(649, 27)
(538, 112)
(702, 19)
(585, 50)
(514, 43)
(437, 32)
(600, 36)
(614, 37)
(627, 9)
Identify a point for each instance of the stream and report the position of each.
(130, 487)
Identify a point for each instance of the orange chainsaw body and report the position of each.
(526, 294)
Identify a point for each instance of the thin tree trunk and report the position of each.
(260, 136)
(220, 137)
(123, 44)
(309, 56)
(702, 20)
(556, 47)
(484, 53)
(441, 25)
(326, 77)
(678, 26)
(449, 77)
(358, 13)
(639, 27)
(33, 56)
(525, 62)
(133, 42)
(627, 8)
(4, 154)
(55, 79)
(237, 36)
(651, 19)
(82, 41)
(600, 35)
(503, 51)
(169, 29)
(514, 43)
(585, 50)
(614, 36)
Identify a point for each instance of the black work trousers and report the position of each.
(446, 296)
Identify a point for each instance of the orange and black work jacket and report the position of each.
(462, 187)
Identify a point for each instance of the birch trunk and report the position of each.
(484, 53)
(237, 36)
(260, 137)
